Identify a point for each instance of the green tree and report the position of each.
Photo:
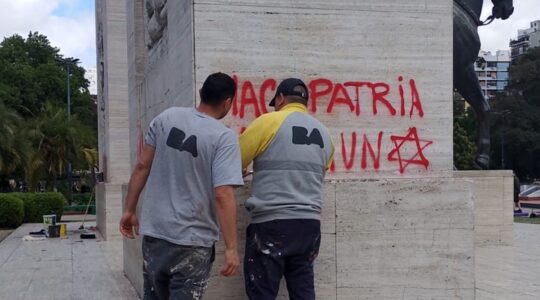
(464, 150)
(516, 119)
(37, 139)
(464, 133)
(57, 140)
(524, 80)
(32, 73)
(13, 145)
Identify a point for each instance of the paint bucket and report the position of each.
(63, 230)
(54, 231)
(49, 220)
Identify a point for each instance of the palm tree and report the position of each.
(13, 146)
(57, 140)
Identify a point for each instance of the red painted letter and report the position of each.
(401, 96)
(315, 94)
(366, 146)
(357, 85)
(348, 164)
(345, 99)
(415, 100)
(235, 100)
(380, 97)
(246, 99)
(268, 83)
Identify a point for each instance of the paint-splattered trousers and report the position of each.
(173, 271)
(281, 248)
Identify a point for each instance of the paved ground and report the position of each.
(4, 233)
(62, 268)
(510, 272)
(92, 269)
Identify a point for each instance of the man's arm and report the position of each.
(129, 222)
(257, 136)
(226, 211)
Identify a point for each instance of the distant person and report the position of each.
(189, 164)
(291, 152)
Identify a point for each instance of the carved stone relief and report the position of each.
(156, 21)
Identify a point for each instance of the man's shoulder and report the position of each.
(272, 118)
(308, 117)
(174, 111)
(218, 127)
(271, 115)
(318, 122)
(218, 131)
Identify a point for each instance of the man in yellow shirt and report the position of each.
(291, 152)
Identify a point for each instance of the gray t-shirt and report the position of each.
(194, 154)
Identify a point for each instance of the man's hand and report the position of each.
(246, 173)
(129, 224)
(232, 263)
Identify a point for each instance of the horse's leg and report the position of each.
(466, 82)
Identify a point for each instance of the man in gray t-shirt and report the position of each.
(189, 165)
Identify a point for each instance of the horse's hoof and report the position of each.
(482, 160)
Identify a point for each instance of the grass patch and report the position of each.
(527, 220)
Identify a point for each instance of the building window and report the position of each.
(491, 64)
(503, 66)
(502, 75)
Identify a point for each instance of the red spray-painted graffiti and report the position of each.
(340, 94)
(399, 141)
(402, 149)
(363, 99)
(397, 153)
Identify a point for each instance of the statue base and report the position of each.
(381, 239)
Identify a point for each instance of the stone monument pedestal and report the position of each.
(381, 239)
(108, 209)
(493, 193)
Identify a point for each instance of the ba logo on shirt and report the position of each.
(300, 137)
(176, 141)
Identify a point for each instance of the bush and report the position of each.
(11, 211)
(80, 209)
(82, 199)
(38, 204)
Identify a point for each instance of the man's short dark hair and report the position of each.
(297, 99)
(217, 88)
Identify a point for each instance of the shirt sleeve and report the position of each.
(151, 138)
(227, 163)
(258, 136)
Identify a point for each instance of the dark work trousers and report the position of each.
(281, 248)
(172, 271)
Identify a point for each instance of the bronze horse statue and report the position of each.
(466, 48)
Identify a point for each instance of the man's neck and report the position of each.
(294, 105)
(208, 110)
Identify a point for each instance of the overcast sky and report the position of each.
(497, 35)
(70, 24)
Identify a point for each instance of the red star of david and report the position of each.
(412, 136)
